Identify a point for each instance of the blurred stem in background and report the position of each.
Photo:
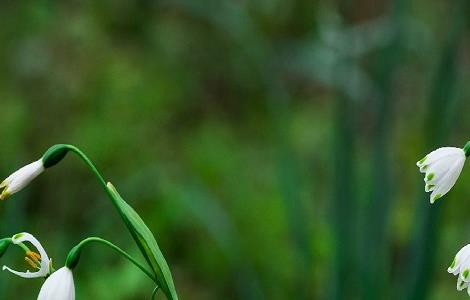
(441, 97)
(344, 213)
(375, 251)
(258, 53)
(289, 179)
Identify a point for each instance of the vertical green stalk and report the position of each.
(289, 182)
(377, 214)
(344, 204)
(422, 260)
(343, 210)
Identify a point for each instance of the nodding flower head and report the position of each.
(442, 168)
(21, 178)
(39, 262)
(59, 285)
(461, 267)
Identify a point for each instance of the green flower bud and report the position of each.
(73, 257)
(54, 155)
(466, 149)
(4, 244)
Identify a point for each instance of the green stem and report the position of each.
(56, 153)
(95, 171)
(154, 293)
(74, 254)
(92, 167)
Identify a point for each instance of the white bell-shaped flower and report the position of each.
(442, 168)
(58, 286)
(461, 267)
(21, 178)
(40, 262)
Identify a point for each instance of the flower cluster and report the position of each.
(59, 285)
(441, 169)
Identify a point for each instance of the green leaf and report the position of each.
(146, 242)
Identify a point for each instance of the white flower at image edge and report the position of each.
(44, 262)
(442, 168)
(461, 267)
(21, 178)
(59, 286)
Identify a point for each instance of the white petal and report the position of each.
(448, 180)
(439, 154)
(461, 285)
(24, 176)
(59, 286)
(429, 188)
(44, 264)
(460, 257)
(437, 170)
(6, 181)
(465, 269)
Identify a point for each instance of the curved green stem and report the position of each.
(95, 171)
(91, 165)
(154, 293)
(142, 235)
(74, 254)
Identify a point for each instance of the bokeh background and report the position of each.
(270, 145)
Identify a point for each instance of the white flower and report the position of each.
(461, 267)
(39, 261)
(21, 178)
(442, 167)
(59, 286)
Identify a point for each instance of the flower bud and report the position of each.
(4, 244)
(54, 155)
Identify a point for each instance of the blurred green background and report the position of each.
(270, 145)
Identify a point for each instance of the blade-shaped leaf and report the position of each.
(147, 244)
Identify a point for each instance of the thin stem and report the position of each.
(95, 171)
(154, 293)
(90, 164)
(117, 249)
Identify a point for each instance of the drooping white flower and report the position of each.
(461, 267)
(40, 262)
(21, 178)
(58, 286)
(442, 168)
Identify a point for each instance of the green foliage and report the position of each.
(270, 145)
(147, 244)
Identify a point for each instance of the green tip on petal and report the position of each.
(17, 236)
(422, 160)
(466, 273)
(466, 149)
(452, 265)
(4, 195)
(430, 176)
(436, 197)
